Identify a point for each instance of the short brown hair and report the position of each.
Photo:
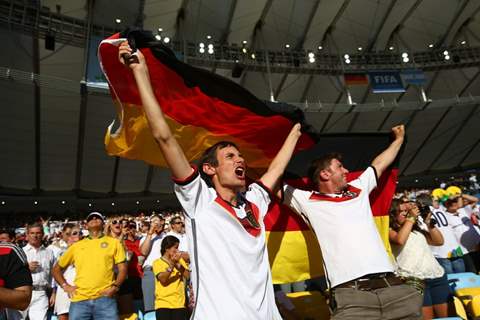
(210, 156)
(320, 164)
(34, 225)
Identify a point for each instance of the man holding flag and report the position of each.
(357, 267)
(226, 233)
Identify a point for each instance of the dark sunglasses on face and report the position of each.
(115, 222)
(75, 233)
(178, 222)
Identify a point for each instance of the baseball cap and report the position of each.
(95, 214)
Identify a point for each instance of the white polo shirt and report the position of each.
(346, 231)
(42, 276)
(234, 272)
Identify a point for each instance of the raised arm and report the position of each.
(271, 178)
(171, 150)
(386, 158)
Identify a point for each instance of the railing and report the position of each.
(29, 78)
(20, 17)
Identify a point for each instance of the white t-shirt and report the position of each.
(415, 259)
(155, 251)
(450, 242)
(234, 281)
(348, 237)
(463, 229)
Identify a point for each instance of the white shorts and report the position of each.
(62, 302)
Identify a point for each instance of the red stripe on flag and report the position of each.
(355, 79)
(190, 106)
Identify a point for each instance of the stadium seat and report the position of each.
(130, 316)
(310, 305)
(475, 307)
(459, 309)
(463, 280)
(470, 298)
(149, 316)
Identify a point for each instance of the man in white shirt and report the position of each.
(458, 212)
(60, 245)
(150, 246)
(357, 266)
(229, 259)
(40, 262)
(178, 230)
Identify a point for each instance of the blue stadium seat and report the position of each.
(463, 280)
(149, 316)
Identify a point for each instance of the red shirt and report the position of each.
(134, 269)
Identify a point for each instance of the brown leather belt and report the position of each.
(372, 282)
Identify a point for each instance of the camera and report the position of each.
(424, 202)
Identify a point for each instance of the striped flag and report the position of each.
(294, 252)
(352, 79)
(201, 108)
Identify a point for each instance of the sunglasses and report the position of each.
(75, 233)
(93, 217)
(178, 222)
(115, 222)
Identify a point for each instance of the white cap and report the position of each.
(96, 214)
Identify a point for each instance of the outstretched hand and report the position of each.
(399, 132)
(296, 130)
(128, 58)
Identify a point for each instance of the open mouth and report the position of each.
(240, 173)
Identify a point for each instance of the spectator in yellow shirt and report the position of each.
(170, 272)
(94, 258)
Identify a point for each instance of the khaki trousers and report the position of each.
(395, 302)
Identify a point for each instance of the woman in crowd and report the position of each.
(170, 273)
(135, 271)
(118, 228)
(62, 300)
(410, 237)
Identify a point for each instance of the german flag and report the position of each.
(351, 79)
(293, 248)
(201, 108)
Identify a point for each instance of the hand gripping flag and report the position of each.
(201, 108)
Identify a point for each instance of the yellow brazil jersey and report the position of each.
(94, 261)
(171, 296)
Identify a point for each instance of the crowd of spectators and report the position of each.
(433, 232)
(50, 252)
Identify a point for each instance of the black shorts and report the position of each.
(171, 314)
